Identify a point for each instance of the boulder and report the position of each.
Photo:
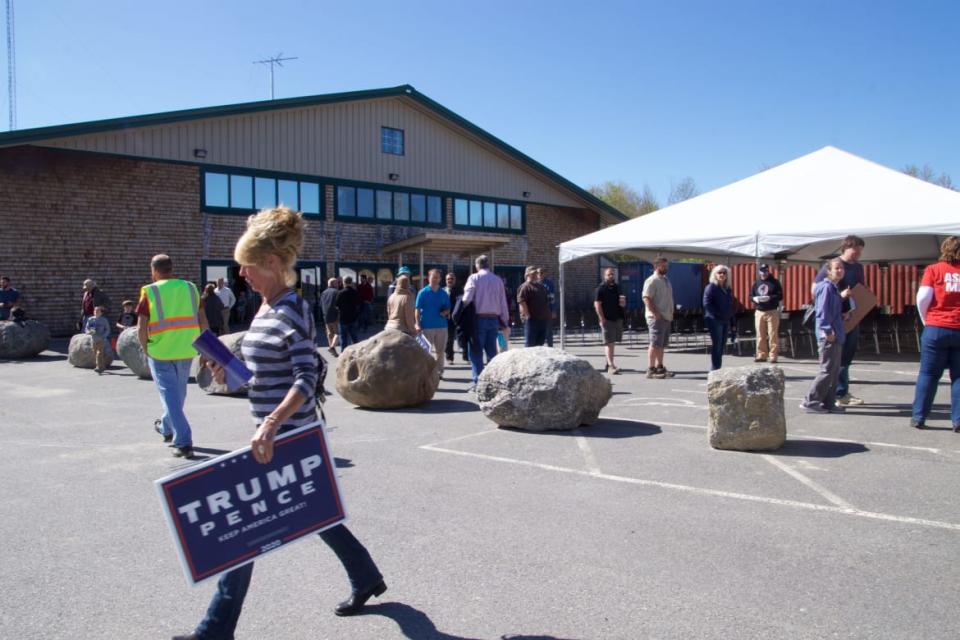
(23, 339)
(542, 389)
(205, 378)
(130, 351)
(746, 408)
(80, 352)
(388, 370)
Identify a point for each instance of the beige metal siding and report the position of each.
(339, 141)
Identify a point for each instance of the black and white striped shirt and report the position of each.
(279, 349)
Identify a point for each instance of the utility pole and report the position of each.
(11, 68)
(275, 61)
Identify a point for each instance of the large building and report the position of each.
(384, 177)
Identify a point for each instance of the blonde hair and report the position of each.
(720, 269)
(950, 249)
(279, 232)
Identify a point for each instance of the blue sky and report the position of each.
(644, 92)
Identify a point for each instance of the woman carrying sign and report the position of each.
(279, 349)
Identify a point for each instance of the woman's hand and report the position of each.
(219, 374)
(261, 445)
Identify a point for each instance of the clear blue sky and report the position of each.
(644, 92)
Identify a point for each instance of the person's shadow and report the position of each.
(416, 625)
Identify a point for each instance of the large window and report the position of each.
(391, 141)
(389, 205)
(248, 192)
(484, 214)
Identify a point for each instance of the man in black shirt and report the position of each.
(609, 306)
(348, 304)
(331, 316)
(766, 295)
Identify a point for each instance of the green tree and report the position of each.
(625, 198)
(927, 173)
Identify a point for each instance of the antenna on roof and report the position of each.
(275, 61)
(11, 68)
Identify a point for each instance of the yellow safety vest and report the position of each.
(174, 319)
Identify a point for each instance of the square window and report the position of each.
(346, 201)
(241, 192)
(216, 186)
(516, 217)
(418, 207)
(310, 197)
(435, 209)
(364, 203)
(461, 214)
(266, 193)
(401, 206)
(476, 213)
(384, 200)
(391, 141)
(489, 214)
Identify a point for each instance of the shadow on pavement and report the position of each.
(437, 405)
(43, 357)
(415, 624)
(602, 428)
(209, 451)
(818, 449)
(342, 463)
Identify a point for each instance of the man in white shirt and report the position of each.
(228, 299)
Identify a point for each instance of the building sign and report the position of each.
(231, 510)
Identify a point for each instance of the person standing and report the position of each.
(98, 327)
(433, 308)
(92, 297)
(552, 299)
(331, 315)
(226, 296)
(348, 304)
(938, 303)
(609, 305)
(454, 293)
(828, 310)
(718, 312)
(278, 348)
(534, 303)
(129, 316)
(365, 289)
(658, 300)
(853, 275)
(401, 314)
(766, 295)
(485, 290)
(170, 317)
(213, 309)
(9, 298)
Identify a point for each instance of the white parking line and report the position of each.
(589, 458)
(823, 491)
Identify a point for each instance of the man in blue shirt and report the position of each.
(9, 298)
(552, 298)
(432, 309)
(828, 303)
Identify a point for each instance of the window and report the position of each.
(487, 215)
(384, 210)
(310, 197)
(365, 203)
(401, 206)
(346, 201)
(435, 209)
(389, 205)
(391, 141)
(288, 192)
(418, 207)
(241, 192)
(266, 193)
(217, 189)
(249, 192)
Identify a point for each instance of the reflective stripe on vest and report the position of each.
(171, 336)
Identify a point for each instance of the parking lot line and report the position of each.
(796, 475)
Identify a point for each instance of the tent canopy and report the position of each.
(800, 210)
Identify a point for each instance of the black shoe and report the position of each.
(156, 427)
(956, 428)
(183, 452)
(189, 636)
(918, 424)
(355, 602)
(835, 408)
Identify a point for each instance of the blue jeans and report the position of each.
(366, 312)
(484, 340)
(227, 603)
(718, 341)
(535, 332)
(348, 330)
(171, 378)
(846, 357)
(939, 349)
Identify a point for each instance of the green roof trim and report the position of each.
(25, 136)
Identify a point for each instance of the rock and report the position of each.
(542, 389)
(130, 351)
(746, 408)
(80, 352)
(388, 370)
(205, 378)
(23, 339)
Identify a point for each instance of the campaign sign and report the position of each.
(230, 510)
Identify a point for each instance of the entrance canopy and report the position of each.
(799, 211)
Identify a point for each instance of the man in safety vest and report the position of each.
(170, 317)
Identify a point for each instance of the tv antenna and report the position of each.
(11, 68)
(275, 61)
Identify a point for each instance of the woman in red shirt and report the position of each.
(938, 302)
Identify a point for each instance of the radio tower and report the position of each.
(275, 61)
(11, 68)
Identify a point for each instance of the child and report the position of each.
(99, 327)
(129, 317)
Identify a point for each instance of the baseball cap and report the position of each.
(764, 267)
(403, 271)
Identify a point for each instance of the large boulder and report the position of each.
(130, 351)
(746, 408)
(542, 389)
(388, 370)
(204, 377)
(23, 339)
(80, 352)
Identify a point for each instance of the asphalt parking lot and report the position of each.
(630, 528)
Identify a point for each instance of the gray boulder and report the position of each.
(388, 370)
(130, 351)
(80, 352)
(204, 376)
(542, 389)
(23, 340)
(746, 408)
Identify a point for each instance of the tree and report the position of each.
(625, 198)
(683, 190)
(927, 173)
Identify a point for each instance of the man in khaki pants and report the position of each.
(766, 295)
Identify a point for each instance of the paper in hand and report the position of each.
(210, 347)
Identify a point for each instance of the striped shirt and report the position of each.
(279, 350)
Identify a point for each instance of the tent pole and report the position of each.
(563, 312)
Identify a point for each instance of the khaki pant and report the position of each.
(100, 358)
(768, 329)
(225, 318)
(438, 340)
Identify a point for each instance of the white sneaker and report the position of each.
(849, 400)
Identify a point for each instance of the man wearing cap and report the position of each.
(485, 290)
(402, 271)
(766, 295)
(552, 298)
(170, 317)
(534, 302)
(93, 297)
